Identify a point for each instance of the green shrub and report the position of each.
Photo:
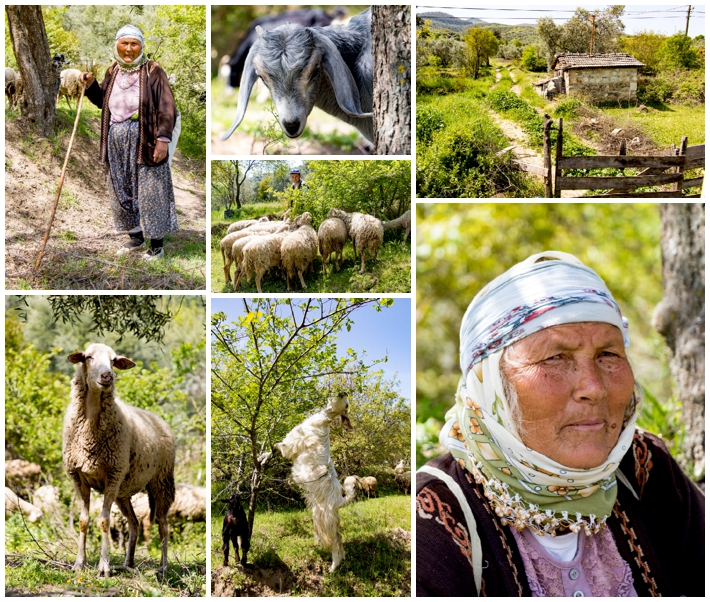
(428, 122)
(568, 108)
(533, 59)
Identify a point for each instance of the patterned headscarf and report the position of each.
(524, 487)
(129, 31)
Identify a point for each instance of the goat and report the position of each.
(308, 446)
(327, 67)
(117, 450)
(235, 528)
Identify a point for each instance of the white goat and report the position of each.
(327, 67)
(117, 450)
(308, 446)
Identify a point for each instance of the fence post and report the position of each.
(681, 168)
(558, 156)
(547, 162)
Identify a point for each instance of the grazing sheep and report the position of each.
(235, 528)
(46, 498)
(69, 85)
(332, 236)
(22, 476)
(299, 249)
(365, 231)
(351, 485)
(404, 222)
(369, 486)
(260, 254)
(327, 67)
(404, 480)
(245, 223)
(11, 78)
(308, 446)
(13, 503)
(117, 450)
(228, 241)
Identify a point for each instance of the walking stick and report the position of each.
(61, 180)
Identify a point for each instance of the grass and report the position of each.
(286, 559)
(669, 125)
(39, 559)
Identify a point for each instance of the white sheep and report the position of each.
(228, 241)
(245, 223)
(14, 503)
(11, 78)
(404, 222)
(69, 85)
(364, 230)
(299, 249)
(116, 449)
(369, 486)
(260, 254)
(332, 236)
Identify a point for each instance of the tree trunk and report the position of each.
(39, 78)
(392, 89)
(680, 317)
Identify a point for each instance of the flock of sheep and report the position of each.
(256, 245)
(69, 86)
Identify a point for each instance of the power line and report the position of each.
(678, 9)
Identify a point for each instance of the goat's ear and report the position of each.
(123, 363)
(76, 357)
(341, 80)
(259, 30)
(249, 77)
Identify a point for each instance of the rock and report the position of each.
(642, 109)
(616, 131)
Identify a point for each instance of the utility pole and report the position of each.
(687, 20)
(591, 42)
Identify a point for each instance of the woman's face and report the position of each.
(573, 384)
(128, 49)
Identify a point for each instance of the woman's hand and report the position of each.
(161, 151)
(86, 78)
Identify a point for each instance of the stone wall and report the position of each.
(602, 84)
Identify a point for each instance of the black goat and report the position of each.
(235, 528)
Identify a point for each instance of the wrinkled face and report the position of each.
(573, 384)
(292, 74)
(129, 49)
(99, 361)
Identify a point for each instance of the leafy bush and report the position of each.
(439, 83)
(568, 108)
(428, 122)
(510, 52)
(673, 85)
(533, 59)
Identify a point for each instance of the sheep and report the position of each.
(364, 230)
(13, 503)
(69, 85)
(235, 528)
(260, 254)
(332, 236)
(327, 67)
(404, 221)
(21, 475)
(351, 485)
(299, 249)
(116, 449)
(46, 498)
(245, 223)
(228, 241)
(11, 77)
(369, 486)
(404, 480)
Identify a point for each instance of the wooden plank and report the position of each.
(678, 186)
(530, 168)
(593, 183)
(695, 152)
(693, 163)
(620, 161)
(667, 194)
(558, 156)
(505, 150)
(546, 158)
(692, 182)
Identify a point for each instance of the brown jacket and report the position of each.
(156, 110)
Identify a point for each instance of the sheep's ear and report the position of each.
(76, 357)
(123, 363)
(341, 80)
(249, 77)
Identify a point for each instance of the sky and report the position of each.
(661, 18)
(378, 333)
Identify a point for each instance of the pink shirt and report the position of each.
(124, 100)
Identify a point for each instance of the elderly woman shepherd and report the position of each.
(137, 121)
(548, 488)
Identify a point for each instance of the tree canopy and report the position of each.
(482, 44)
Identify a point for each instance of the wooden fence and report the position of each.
(656, 170)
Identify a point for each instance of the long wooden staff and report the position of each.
(61, 180)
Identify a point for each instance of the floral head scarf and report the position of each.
(524, 487)
(129, 31)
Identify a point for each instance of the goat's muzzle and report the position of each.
(345, 421)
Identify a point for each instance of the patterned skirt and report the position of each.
(140, 195)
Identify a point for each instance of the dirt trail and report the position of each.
(83, 229)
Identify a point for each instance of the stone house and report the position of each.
(597, 77)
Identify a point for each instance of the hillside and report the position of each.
(80, 253)
(526, 32)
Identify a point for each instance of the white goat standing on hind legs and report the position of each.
(308, 446)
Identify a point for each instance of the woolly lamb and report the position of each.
(332, 236)
(13, 503)
(69, 85)
(404, 222)
(116, 449)
(235, 528)
(228, 241)
(299, 249)
(365, 231)
(369, 486)
(245, 223)
(260, 254)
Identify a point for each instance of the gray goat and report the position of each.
(327, 67)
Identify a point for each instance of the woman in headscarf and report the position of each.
(137, 121)
(548, 488)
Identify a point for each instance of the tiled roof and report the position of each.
(582, 61)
